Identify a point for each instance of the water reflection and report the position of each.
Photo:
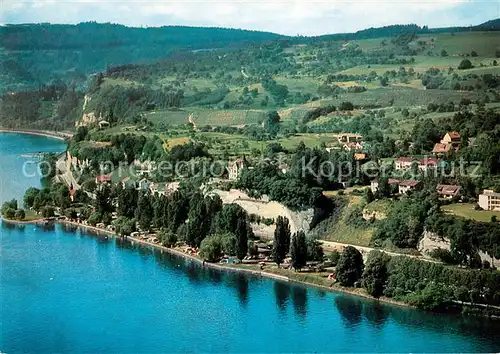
(376, 313)
(299, 301)
(241, 283)
(282, 294)
(351, 310)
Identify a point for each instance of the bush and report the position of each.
(20, 214)
(334, 257)
(465, 64)
(48, 212)
(211, 248)
(443, 255)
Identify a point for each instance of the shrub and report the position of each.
(443, 255)
(465, 64)
(334, 257)
(20, 214)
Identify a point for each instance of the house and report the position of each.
(440, 148)
(448, 191)
(489, 200)
(427, 163)
(403, 185)
(103, 179)
(128, 182)
(351, 146)
(349, 138)
(450, 141)
(451, 138)
(408, 185)
(403, 163)
(163, 189)
(235, 167)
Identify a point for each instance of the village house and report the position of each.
(351, 146)
(163, 189)
(452, 138)
(235, 167)
(489, 200)
(450, 141)
(349, 138)
(448, 191)
(403, 163)
(408, 185)
(427, 163)
(403, 185)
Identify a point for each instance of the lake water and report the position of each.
(64, 290)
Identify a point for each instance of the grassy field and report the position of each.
(204, 117)
(467, 211)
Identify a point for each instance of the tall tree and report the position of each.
(241, 238)
(298, 250)
(375, 274)
(144, 211)
(281, 239)
(350, 266)
(127, 201)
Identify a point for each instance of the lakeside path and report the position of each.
(45, 133)
(296, 277)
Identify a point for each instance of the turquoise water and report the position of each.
(64, 290)
(14, 179)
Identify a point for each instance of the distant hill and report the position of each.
(32, 54)
(36, 54)
(394, 30)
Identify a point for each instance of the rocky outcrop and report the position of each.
(267, 209)
(431, 241)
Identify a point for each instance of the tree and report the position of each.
(103, 202)
(281, 242)
(241, 238)
(375, 273)
(465, 64)
(48, 212)
(144, 211)
(127, 201)
(211, 248)
(298, 250)
(444, 53)
(167, 238)
(272, 123)
(124, 226)
(473, 53)
(334, 257)
(20, 214)
(350, 266)
(29, 197)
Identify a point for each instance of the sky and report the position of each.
(290, 17)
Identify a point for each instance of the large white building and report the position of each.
(489, 200)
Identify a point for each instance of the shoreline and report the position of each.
(45, 133)
(269, 275)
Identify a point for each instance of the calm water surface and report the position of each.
(63, 290)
